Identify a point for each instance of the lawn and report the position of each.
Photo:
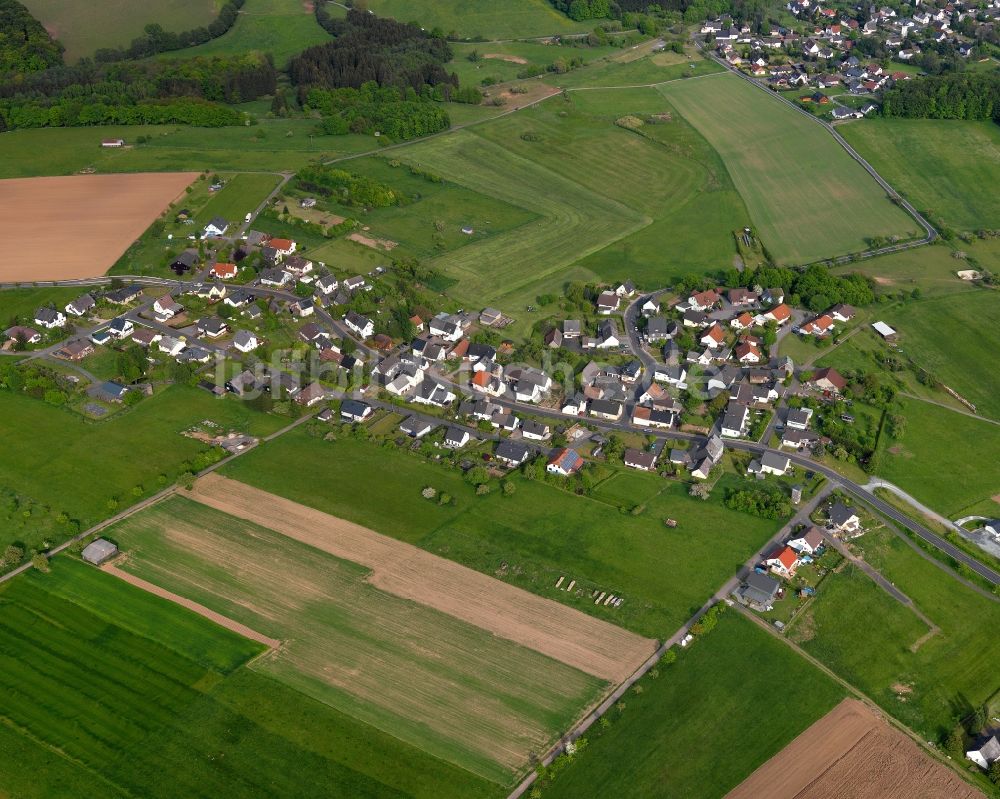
(950, 674)
(484, 702)
(535, 537)
(21, 304)
(947, 168)
(660, 742)
(86, 27)
(56, 461)
(240, 195)
(943, 457)
(283, 28)
(808, 199)
(110, 695)
(590, 224)
(506, 19)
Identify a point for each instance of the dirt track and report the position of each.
(201, 610)
(851, 753)
(564, 634)
(78, 226)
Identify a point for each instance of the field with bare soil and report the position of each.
(354, 642)
(78, 226)
(591, 645)
(851, 753)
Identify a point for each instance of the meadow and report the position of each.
(808, 199)
(503, 61)
(240, 195)
(57, 461)
(117, 693)
(283, 28)
(587, 218)
(21, 304)
(950, 673)
(943, 457)
(511, 19)
(663, 740)
(483, 702)
(947, 168)
(535, 537)
(622, 71)
(84, 28)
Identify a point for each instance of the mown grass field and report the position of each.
(116, 693)
(55, 459)
(659, 742)
(483, 702)
(945, 459)
(808, 199)
(949, 675)
(84, 28)
(283, 28)
(536, 536)
(588, 219)
(510, 19)
(948, 168)
(240, 195)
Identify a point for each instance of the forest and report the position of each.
(25, 45)
(963, 95)
(369, 48)
(346, 187)
(390, 111)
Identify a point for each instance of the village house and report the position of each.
(356, 283)
(361, 325)
(354, 410)
(783, 561)
(166, 308)
(703, 300)
(798, 418)
(735, 421)
(843, 518)
(212, 326)
(446, 326)
(512, 453)
(224, 271)
(714, 337)
(456, 438)
(528, 384)
(121, 328)
(809, 542)
(607, 302)
(606, 409)
(283, 247)
(564, 462)
(415, 427)
(572, 328)
(986, 754)
(490, 316)
(80, 306)
(758, 592)
(171, 346)
(769, 463)
(637, 459)
(21, 333)
(535, 431)
(274, 277)
(216, 227)
(828, 379)
(327, 284)
(245, 341)
(311, 394)
(820, 326)
(50, 318)
(76, 350)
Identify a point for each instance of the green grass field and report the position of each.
(591, 225)
(484, 702)
(240, 195)
(56, 460)
(866, 637)
(22, 303)
(116, 693)
(808, 199)
(954, 337)
(510, 19)
(520, 55)
(86, 27)
(643, 71)
(540, 534)
(660, 743)
(948, 168)
(945, 459)
(931, 269)
(283, 28)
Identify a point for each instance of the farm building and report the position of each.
(98, 551)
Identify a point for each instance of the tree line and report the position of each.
(962, 95)
(25, 45)
(156, 40)
(172, 91)
(369, 48)
(346, 187)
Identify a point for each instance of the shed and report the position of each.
(98, 551)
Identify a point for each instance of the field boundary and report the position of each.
(223, 621)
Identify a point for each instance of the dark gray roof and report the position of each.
(512, 451)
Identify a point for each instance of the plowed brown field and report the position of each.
(851, 753)
(78, 226)
(564, 634)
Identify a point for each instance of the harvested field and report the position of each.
(851, 753)
(78, 226)
(376, 244)
(564, 634)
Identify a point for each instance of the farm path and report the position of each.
(950, 408)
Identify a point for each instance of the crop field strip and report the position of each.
(116, 692)
(445, 686)
(808, 198)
